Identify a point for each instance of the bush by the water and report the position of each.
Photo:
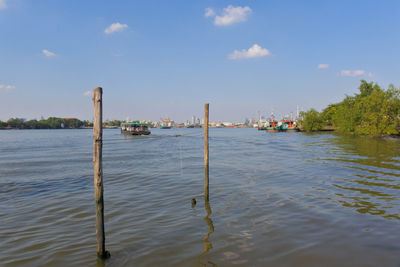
(373, 111)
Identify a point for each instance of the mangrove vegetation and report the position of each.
(373, 111)
(49, 123)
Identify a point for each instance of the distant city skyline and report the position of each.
(167, 58)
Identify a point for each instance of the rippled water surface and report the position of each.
(288, 199)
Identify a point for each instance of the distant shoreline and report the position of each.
(82, 128)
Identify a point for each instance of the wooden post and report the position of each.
(98, 170)
(206, 170)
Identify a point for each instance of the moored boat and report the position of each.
(273, 127)
(289, 126)
(166, 124)
(135, 128)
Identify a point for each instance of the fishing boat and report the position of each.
(273, 127)
(262, 125)
(166, 124)
(135, 128)
(289, 126)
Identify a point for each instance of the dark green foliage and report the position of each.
(374, 111)
(312, 120)
(49, 123)
(87, 123)
(16, 123)
(113, 123)
(327, 114)
(347, 116)
(379, 112)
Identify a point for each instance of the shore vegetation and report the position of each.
(373, 111)
(49, 123)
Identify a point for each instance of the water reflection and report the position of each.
(208, 220)
(367, 152)
(206, 241)
(373, 183)
(100, 262)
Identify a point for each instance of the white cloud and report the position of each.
(230, 15)
(354, 73)
(47, 53)
(6, 88)
(209, 12)
(115, 27)
(87, 93)
(323, 66)
(3, 4)
(253, 52)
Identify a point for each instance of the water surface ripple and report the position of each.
(275, 199)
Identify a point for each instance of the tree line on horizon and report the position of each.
(373, 111)
(52, 123)
(49, 123)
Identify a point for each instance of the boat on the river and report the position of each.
(289, 126)
(273, 127)
(166, 124)
(135, 128)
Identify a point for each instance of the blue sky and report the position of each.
(161, 58)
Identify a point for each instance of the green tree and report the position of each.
(379, 112)
(52, 122)
(311, 120)
(373, 111)
(16, 123)
(71, 123)
(328, 113)
(113, 123)
(347, 115)
(87, 123)
(32, 124)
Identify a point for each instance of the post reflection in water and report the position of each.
(207, 243)
(207, 218)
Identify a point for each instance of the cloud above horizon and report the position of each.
(355, 73)
(323, 66)
(255, 51)
(209, 12)
(47, 53)
(6, 88)
(230, 15)
(115, 27)
(3, 4)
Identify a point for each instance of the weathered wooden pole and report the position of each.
(206, 170)
(98, 170)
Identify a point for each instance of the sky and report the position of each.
(167, 58)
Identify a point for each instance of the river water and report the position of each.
(276, 199)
